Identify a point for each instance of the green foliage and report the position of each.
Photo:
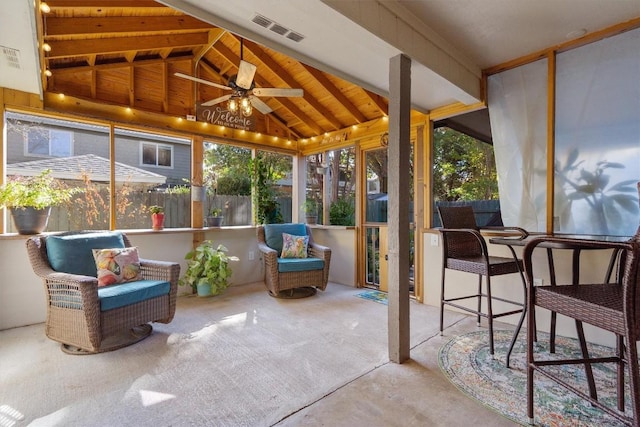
(216, 212)
(39, 192)
(464, 168)
(263, 176)
(234, 185)
(208, 265)
(310, 207)
(342, 212)
(155, 209)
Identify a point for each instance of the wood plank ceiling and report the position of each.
(125, 53)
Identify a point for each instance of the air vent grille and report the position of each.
(279, 29)
(261, 20)
(11, 57)
(295, 36)
(269, 24)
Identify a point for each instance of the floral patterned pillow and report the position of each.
(117, 265)
(294, 246)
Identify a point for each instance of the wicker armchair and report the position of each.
(614, 307)
(74, 314)
(464, 249)
(316, 272)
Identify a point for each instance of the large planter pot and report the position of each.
(214, 221)
(204, 289)
(29, 220)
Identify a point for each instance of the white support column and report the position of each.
(398, 210)
(298, 193)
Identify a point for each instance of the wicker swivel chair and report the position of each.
(612, 307)
(288, 274)
(87, 319)
(464, 249)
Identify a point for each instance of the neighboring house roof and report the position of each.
(73, 168)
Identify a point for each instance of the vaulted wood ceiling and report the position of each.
(125, 53)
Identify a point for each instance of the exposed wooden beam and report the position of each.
(73, 70)
(336, 93)
(71, 48)
(70, 26)
(103, 4)
(378, 101)
(283, 74)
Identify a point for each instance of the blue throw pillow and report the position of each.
(73, 253)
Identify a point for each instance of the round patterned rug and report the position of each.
(466, 361)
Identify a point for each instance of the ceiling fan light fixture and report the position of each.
(232, 105)
(248, 109)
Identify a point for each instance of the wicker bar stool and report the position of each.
(464, 249)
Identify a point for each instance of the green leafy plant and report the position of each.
(267, 209)
(216, 212)
(39, 192)
(208, 265)
(155, 209)
(310, 207)
(342, 212)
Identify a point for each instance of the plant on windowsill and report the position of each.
(215, 218)
(157, 217)
(30, 198)
(310, 208)
(208, 269)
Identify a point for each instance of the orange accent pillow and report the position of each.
(118, 265)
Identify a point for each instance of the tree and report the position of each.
(225, 169)
(463, 168)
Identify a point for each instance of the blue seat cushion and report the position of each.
(273, 234)
(116, 296)
(73, 253)
(286, 265)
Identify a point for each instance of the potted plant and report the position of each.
(157, 217)
(215, 218)
(30, 198)
(310, 208)
(208, 269)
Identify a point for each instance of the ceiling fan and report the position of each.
(244, 94)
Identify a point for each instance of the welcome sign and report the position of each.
(217, 115)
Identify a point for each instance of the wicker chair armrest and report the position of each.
(520, 231)
(161, 270)
(73, 286)
(266, 250)
(319, 251)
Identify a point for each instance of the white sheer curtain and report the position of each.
(517, 101)
(598, 136)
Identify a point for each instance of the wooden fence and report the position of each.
(93, 214)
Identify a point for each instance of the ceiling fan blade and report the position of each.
(260, 105)
(216, 101)
(246, 71)
(205, 82)
(274, 91)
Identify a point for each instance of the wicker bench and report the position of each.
(87, 318)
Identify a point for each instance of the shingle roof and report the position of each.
(73, 168)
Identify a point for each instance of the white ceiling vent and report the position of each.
(11, 57)
(269, 24)
(261, 20)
